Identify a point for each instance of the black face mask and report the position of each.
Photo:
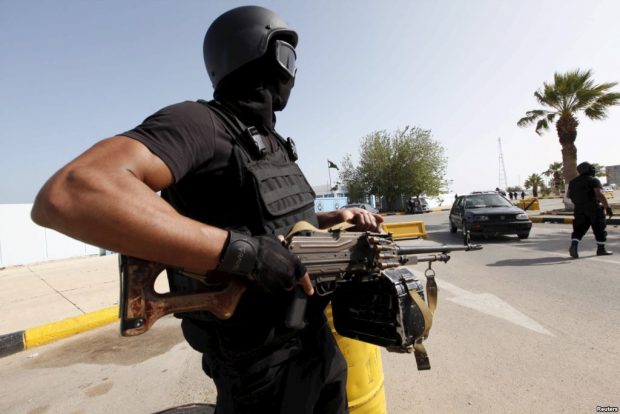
(280, 92)
(273, 73)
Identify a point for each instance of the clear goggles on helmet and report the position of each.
(285, 57)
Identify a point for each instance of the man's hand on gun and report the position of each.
(363, 220)
(266, 260)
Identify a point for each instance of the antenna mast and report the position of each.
(503, 181)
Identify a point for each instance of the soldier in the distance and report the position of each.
(590, 208)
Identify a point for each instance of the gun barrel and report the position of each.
(444, 248)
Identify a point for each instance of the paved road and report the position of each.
(520, 327)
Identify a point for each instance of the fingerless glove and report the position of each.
(264, 257)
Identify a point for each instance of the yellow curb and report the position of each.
(565, 220)
(45, 334)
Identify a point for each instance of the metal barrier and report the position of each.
(530, 203)
(406, 230)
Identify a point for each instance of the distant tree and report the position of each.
(534, 182)
(556, 181)
(351, 177)
(545, 190)
(515, 188)
(392, 165)
(569, 94)
(601, 171)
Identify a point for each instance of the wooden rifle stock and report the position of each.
(141, 306)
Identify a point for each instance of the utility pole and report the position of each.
(503, 181)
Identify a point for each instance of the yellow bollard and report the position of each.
(365, 382)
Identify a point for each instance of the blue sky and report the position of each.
(75, 72)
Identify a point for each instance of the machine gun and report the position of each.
(374, 297)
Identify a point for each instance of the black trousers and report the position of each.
(306, 375)
(586, 217)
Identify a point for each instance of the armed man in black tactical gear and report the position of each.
(590, 208)
(230, 188)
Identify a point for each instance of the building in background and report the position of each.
(613, 175)
(329, 199)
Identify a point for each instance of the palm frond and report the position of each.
(527, 120)
(552, 96)
(584, 97)
(540, 97)
(541, 125)
(609, 99)
(596, 111)
(605, 86)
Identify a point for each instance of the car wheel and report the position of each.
(452, 227)
(523, 235)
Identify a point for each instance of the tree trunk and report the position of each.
(567, 133)
(569, 158)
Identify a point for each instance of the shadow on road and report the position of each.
(532, 262)
(190, 409)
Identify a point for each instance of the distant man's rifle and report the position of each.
(375, 299)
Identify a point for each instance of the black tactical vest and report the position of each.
(270, 194)
(581, 191)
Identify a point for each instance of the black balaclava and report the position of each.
(585, 168)
(255, 91)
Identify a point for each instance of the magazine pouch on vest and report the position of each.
(278, 194)
(283, 196)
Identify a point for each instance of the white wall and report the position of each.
(24, 242)
(443, 201)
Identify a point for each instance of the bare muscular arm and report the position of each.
(107, 197)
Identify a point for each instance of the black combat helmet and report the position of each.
(240, 36)
(586, 168)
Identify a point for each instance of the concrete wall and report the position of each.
(325, 203)
(613, 174)
(24, 242)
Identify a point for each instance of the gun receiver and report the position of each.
(376, 299)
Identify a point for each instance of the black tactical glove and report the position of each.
(264, 257)
(609, 212)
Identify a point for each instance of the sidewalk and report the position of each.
(35, 297)
(44, 302)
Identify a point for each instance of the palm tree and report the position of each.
(569, 94)
(534, 181)
(555, 172)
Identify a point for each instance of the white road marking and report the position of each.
(491, 305)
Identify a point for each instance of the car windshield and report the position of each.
(486, 200)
